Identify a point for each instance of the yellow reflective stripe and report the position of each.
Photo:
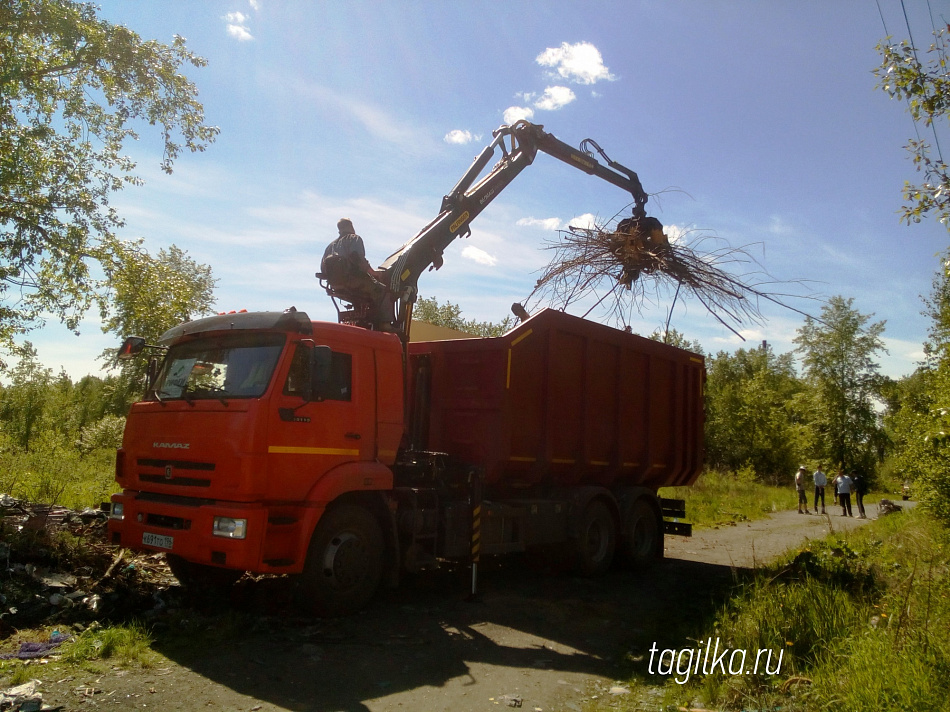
(290, 450)
(524, 336)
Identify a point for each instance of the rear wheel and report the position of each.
(198, 576)
(641, 534)
(344, 562)
(597, 540)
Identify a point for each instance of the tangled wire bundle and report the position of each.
(622, 265)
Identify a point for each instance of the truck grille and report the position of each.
(174, 472)
(166, 522)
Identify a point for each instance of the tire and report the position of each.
(596, 541)
(201, 576)
(641, 535)
(344, 562)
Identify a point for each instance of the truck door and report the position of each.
(307, 439)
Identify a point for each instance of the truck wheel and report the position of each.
(344, 562)
(597, 540)
(198, 576)
(641, 534)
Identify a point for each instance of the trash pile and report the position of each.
(886, 506)
(57, 569)
(621, 265)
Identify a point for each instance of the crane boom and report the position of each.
(519, 144)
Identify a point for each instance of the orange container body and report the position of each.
(563, 401)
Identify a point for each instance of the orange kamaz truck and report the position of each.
(346, 454)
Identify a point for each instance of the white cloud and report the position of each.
(543, 223)
(459, 136)
(581, 63)
(555, 98)
(674, 232)
(587, 221)
(470, 252)
(255, 5)
(237, 26)
(516, 113)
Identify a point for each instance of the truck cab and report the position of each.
(252, 425)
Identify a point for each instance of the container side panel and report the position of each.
(526, 380)
(566, 400)
(635, 416)
(603, 426)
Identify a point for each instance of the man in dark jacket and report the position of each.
(345, 268)
(860, 488)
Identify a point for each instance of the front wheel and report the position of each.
(344, 562)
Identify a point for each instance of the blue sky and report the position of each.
(757, 122)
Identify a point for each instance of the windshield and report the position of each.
(229, 366)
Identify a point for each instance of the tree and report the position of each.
(843, 381)
(919, 423)
(925, 86)
(748, 419)
(677, 339)
(148, 296)
(72, 89)
(450, 316)
(24, 400)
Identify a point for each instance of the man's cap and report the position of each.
(802, 467)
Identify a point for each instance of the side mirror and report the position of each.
(131, 347)
(320, 359)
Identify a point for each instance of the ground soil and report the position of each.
(533, 638)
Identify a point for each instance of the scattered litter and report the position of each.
(618, 690)
(22, 698)
(886, 506)
(510, 700)
(28, 651)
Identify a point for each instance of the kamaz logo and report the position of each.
(173, 446)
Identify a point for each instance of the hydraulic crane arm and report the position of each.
(519, 144)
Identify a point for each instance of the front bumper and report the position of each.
(186, 529)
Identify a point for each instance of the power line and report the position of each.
(913, 47)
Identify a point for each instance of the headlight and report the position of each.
(118, 511)
(230, 528)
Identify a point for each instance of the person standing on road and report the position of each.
(843, 485)
(860, 489)
(800, 486)
(821, 481)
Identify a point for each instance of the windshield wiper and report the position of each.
(219, 390)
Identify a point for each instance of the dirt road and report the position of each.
(533, 639)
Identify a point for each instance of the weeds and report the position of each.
(725, 498)
(125, 644)
(862, 621)
(59, 475)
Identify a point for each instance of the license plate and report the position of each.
(159, 540)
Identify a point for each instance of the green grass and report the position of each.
(123, 645)
(724, 497)
(59, 476)
(861, 619)
(127, 644)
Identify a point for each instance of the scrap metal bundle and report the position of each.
(623, 265)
